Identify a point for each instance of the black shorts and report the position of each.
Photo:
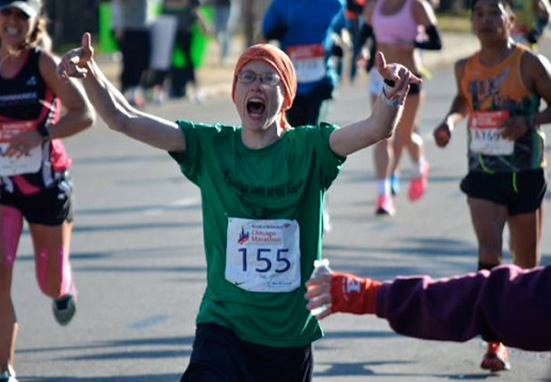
(520, 192)
(415, 88)
(50, 206)
(220, 356)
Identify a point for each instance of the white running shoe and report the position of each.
(8, 375)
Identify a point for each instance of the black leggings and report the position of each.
(136, 50)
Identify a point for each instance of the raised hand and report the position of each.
(399, 75)
(74, 63)
(319, 294)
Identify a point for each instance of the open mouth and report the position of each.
(10, 31)
(255, 106)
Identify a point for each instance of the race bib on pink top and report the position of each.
(263, 255)
(485, 128)
(29, 163)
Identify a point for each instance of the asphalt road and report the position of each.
(140, 270)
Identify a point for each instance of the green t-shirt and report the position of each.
(278, 187)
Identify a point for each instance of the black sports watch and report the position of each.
(44, 133)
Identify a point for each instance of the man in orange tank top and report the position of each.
(500, 89)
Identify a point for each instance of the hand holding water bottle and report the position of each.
(331, 292)
(320, 302)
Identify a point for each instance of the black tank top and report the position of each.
(26, 97)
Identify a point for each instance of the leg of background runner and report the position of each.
(11, 224)
(51, 247)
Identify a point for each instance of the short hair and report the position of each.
(507, 3)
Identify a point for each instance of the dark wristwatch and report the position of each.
(44, 133)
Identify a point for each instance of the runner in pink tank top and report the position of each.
(400, 28)
(396, 27)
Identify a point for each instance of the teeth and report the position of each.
(255, 99)
(12, 31)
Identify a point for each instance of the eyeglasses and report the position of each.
(248, 77)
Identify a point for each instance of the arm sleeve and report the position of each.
(338, 23)
(535, 33)
(433, 42)
(508, 304)
(329, 161)
(366, 36)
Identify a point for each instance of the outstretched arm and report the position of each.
(507, 304)
(111, 105)
(384, 116)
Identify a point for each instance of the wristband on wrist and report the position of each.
(394, 102)
(353, 294)
(387, 88)
(44, 133)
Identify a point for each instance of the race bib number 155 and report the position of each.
(263, 255)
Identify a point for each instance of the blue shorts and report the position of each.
(220, 356)
(521, 192)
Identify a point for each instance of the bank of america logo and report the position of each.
(243, 236)
(31, 81)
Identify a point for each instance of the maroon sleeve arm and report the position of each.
(508, 304)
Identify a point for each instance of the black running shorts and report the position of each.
(50, 206)
(520, 192)
(220, 356)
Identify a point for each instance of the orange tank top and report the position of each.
(495, 94)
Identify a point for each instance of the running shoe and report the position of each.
(137, 101)
(8, 375)
(64, 309)
(394, 184)
(135, 98)
(418, 184)
(496, 358)
(385, 206)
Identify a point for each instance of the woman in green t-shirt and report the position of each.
(262, 185)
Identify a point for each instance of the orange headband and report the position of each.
(279, 61)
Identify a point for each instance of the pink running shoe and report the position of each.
(385, 206)
(496, 358)
(418, 185)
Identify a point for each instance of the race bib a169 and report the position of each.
(25, 164)
(485, 128)
(263, 255)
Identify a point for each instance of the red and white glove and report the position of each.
(352, 294)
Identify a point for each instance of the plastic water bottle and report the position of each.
(321, 267)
